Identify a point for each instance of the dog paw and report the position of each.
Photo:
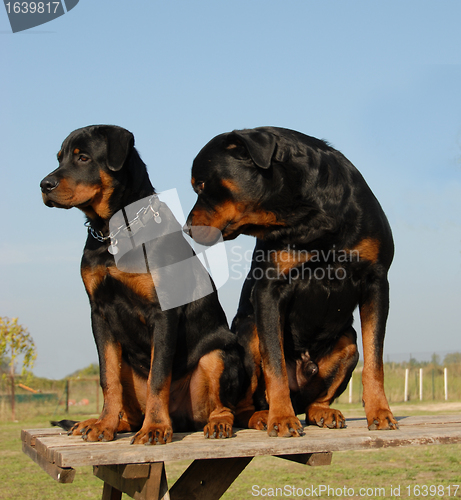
(259, 420)
(381, 420)
(154, 434)
(93, 430)
(325, 417)
(218, 429)
(288, 426)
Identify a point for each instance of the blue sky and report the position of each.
(380, 81)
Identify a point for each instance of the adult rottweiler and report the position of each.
(324, 247)
(160, 369)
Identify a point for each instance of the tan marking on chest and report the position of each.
(140, 283)
(368, 249)
(285, 260)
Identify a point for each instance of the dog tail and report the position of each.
(64, 424)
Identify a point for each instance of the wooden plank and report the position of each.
(430, 420)
(361, 422)
(47, 445)
(72, 451)
(354, 423)
(135, 471)
(154, 486)
(208, 479)
(252, 443)
(57, 473)
(29, 436)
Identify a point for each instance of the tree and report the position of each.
(16, 341)
(89, 371)
(435, 359)
(452, 358)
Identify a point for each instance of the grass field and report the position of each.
(407, 473)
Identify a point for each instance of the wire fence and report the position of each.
(412, 381)
(407, 377)
(52, 398)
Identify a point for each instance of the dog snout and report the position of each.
(48, 184)
(186, 228)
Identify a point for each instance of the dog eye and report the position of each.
(83, 158)
(199, 187)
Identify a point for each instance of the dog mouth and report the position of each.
(230, 233)
(204, 235)
(52, 202)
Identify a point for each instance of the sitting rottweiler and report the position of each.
(324, 247)
(160, 370)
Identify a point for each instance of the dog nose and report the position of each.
(48, 184)
(186, 229)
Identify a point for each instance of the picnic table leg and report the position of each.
(139, 481)
(208, 479)
(111, 493)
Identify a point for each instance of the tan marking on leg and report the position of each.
(105, 427)
(134, 399)
(113, 390)
(245, 408)
(337, 365)
(157, 427)
(374, 398)
(282, 420)
(205, 391)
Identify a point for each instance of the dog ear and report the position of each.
(259, 144)
(119, 143)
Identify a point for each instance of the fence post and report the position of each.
(445, 382)
(13, 396)
(67, 395)
(407, 373)
(433, 383)
(420, 384)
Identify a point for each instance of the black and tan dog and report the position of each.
(160, 369)
(324, 247)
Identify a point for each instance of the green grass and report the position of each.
(21, 478)
(409, 467)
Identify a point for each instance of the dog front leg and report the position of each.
(373, 315)
(157, 427)
(282, 420)
(110, 363)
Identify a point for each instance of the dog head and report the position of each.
(248, 182)
(88, 160)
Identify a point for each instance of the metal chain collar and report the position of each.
(97, 235)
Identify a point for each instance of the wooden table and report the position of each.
(139, 471)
